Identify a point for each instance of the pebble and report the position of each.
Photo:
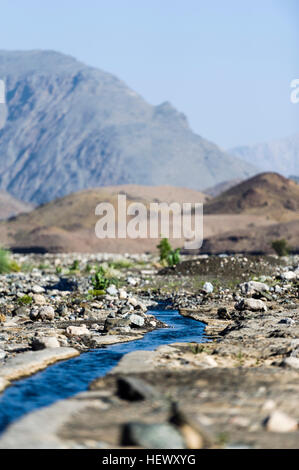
(208, 287)
(136, 320)
(152, 436)
(281, 422)
(39, 299)
(2, 354)
(291, 362)
(77, 330)
(46, 313)
(111, 290)
(289, 275)
(37, 289)
(252, 287)
(122, 294)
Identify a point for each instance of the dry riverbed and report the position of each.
(238, 390)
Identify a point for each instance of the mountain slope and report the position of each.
(268, 194)
(281, 156)
(71, 127)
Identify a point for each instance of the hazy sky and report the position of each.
(227, 64)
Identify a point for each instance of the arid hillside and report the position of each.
(246, 218)
(267, 194)
(68, 224)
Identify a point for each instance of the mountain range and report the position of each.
(281, 156)
(67, 127)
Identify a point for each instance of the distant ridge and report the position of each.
(280, 155)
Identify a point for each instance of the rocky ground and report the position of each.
(238, 390)
(51, 304)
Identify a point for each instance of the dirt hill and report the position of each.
(68, 224)
(268, 194)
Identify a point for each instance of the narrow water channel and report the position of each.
(67, 378)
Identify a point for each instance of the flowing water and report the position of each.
(67, 378)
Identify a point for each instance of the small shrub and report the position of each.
(281, 247)
(14, 266)
(75, 266)
(100, 281)
(25, 300)
(168, 256)
(43, 266)
(174, 257)
(7, 265)
(88, 268)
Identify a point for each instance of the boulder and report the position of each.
(152, 436)
(255, 305)
(280, 422)
(77, 330)
(40, 342)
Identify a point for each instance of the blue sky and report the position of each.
(227, 64)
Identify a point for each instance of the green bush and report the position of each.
(58, 269)
(99, 281)
(281, 247)
(75, 266)
(7, 265)
(168, 256)
(25, 300)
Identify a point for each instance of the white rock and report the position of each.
(2, 354)
(111, 290)
(254, 305)
(77, 330)
(39, 299)
(132, 281)
(136, 320)
(208, 287)
(37, 289)
(209, 361)
(132, 301)
(46, 313)
(122, 294)
(39, 343)
(252, 287)
(289, 275)
(292, 362)
(280, 422)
